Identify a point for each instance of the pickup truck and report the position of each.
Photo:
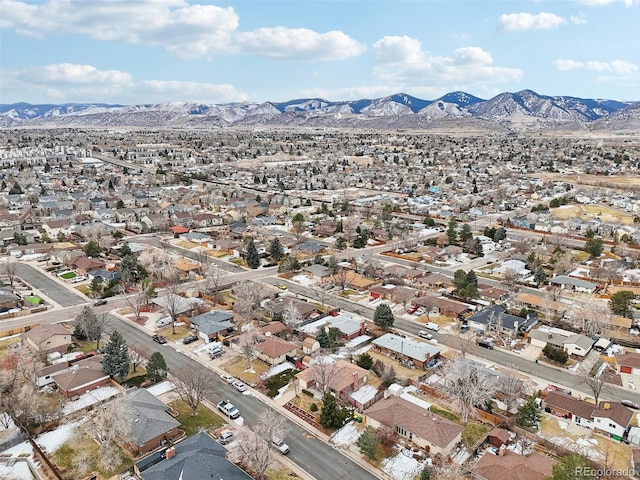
(226, 407)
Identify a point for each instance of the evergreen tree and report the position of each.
(452, 233)
(276, 250)
(465, 233)
(323, 338)
(539, 276)
(620, 303)
(500, 234)
(572, 467)
(340, 243)
(251, 255)
(116, 356)
(156, 368)
(528, 415)
(92, 249)
(332, 416)
(383, 316)
(594, 247)
(368, 443)
(425, 474)
(358, 242)
(365, 361)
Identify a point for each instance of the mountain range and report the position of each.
(523, 110)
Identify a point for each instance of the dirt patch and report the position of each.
(238, 368)
(589, 212)
(402, 373)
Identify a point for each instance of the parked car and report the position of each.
(216, 352)
(160, 339)
(226, 436)
(162, 322)
(189, 339)
(227, 378)
(226, 407)
(630, 404)
(485, 344)
(240, 386)
(282, 447)
(425, 334)
(100, 303)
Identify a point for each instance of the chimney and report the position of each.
(502, 450)
(171, 452)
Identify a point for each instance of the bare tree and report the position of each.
(214, 277)
(193, 385)
(469, 385)
(323, 370)
(10, 269)
(137, 354)
(143, 292)
(385, 371)
(291, 315)
(247, 345)
(592, 317)
(522, 245)
(465, 340)
(510, 279)
(159, 263)
(173, 303)
(512, 385)
(91, 325)
(247, 295)
(563, 263)
(342, 277)
(321, 294)
(596, 382)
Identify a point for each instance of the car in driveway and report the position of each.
(225, 437)
(100, 303)
(160, 339)
(189, 339)
(240, 386)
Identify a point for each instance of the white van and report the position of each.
(432, 326)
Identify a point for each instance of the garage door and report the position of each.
(624, 369)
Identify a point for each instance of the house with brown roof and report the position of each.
(498, 437)
(282, 304)
(422, 427)
(571, 408)
(47, 338)
(628, 363)
(509, 465)
(81, 379)
(352, 280)
(344, 377)
(612, 418)
(273, 350)
(84, 265)
(442, 306)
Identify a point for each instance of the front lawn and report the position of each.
(238, 368)
(68, 275)
(205, 418)
(32, 299)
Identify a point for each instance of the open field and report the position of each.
(621, 182)
(589, 212)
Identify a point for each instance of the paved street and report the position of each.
(57, 292)
(310, 453)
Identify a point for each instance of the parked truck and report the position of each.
(226, 407)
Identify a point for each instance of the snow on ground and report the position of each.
(347, 435)
(563, 425)
(303, 280)
(18, 471)
(90, 398)
(581, 446)
(160, 388)
(402, 466)
(277, 369)
(22, 449)
(206, 348)
(52, 441)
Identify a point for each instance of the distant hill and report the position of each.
(524, 110)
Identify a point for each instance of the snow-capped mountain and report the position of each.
(524, 109)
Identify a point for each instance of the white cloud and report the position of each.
(579, 19)
(402, 61)
(618, 67)
(299, 43)
(184, 30)
(597, 3)
(72, 82)
(516, 22)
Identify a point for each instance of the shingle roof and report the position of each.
(615, 411)
(274, 347)
(395, 411)
(77, 377)
(147, 416)
(570, 404)
(512, 466)
(406, 346)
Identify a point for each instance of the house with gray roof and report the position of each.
(570, 283)
(197, 457)
(420, 354)
(149, 425)
(494, 317)
(211, 325)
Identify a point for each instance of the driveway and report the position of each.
(57, 292)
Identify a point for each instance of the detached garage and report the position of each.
(628, 363)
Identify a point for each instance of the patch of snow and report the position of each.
(347, 435)
(277, 369)
(22, 449)
(402, 466)
(580, 446)
(364, 394)
(160, 388)
(18, 471)
(563, 425)
(91, 398)
(52, 441)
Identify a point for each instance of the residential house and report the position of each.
(420, 426)
(47, 338)
(83, 265)
(44, 376)
(435, 281)
(576, 284)
(407, 350)
(198, 456)
(82, 378)
(494, 317)
(317, 272)
(281, 305)
(273, 350)
(344, 379)
(213, 325)
(8, 299)
(571, 408)
(180, 305)
(442, 306)
(612, 418)
(628, 362)
(509, 465)
(149, 425)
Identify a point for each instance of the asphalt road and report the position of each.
(310, 453)
(49, 287)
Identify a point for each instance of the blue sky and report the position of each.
(152, 51)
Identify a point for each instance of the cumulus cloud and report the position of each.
(299, 43)
(86, 83)
(516, 22)
(184, 30)
(619, 67)
(401, 60)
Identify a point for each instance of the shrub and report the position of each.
(365, 361)
(555, 354)
(307, 392)
(278, 381)
(313, 407)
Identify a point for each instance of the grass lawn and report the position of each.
(238, 366)
(304, 402)
(5, 346)
(167, 332)
(205, 418)
(32, 299)
(68, 275)
(472, 433)
(84, 289)
(445, 413)
(63, 458)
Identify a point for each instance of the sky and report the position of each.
(156, 51)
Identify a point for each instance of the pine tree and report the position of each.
(323, 338)
(275, 249)
(156, 367)
(540, 276)
(383, 316)
(116, 356)
(369, 443)
(528, 414)
(251, 256)
(332, 416)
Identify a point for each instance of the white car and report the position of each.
(240, 386)
(282, 447)
(227, 378)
